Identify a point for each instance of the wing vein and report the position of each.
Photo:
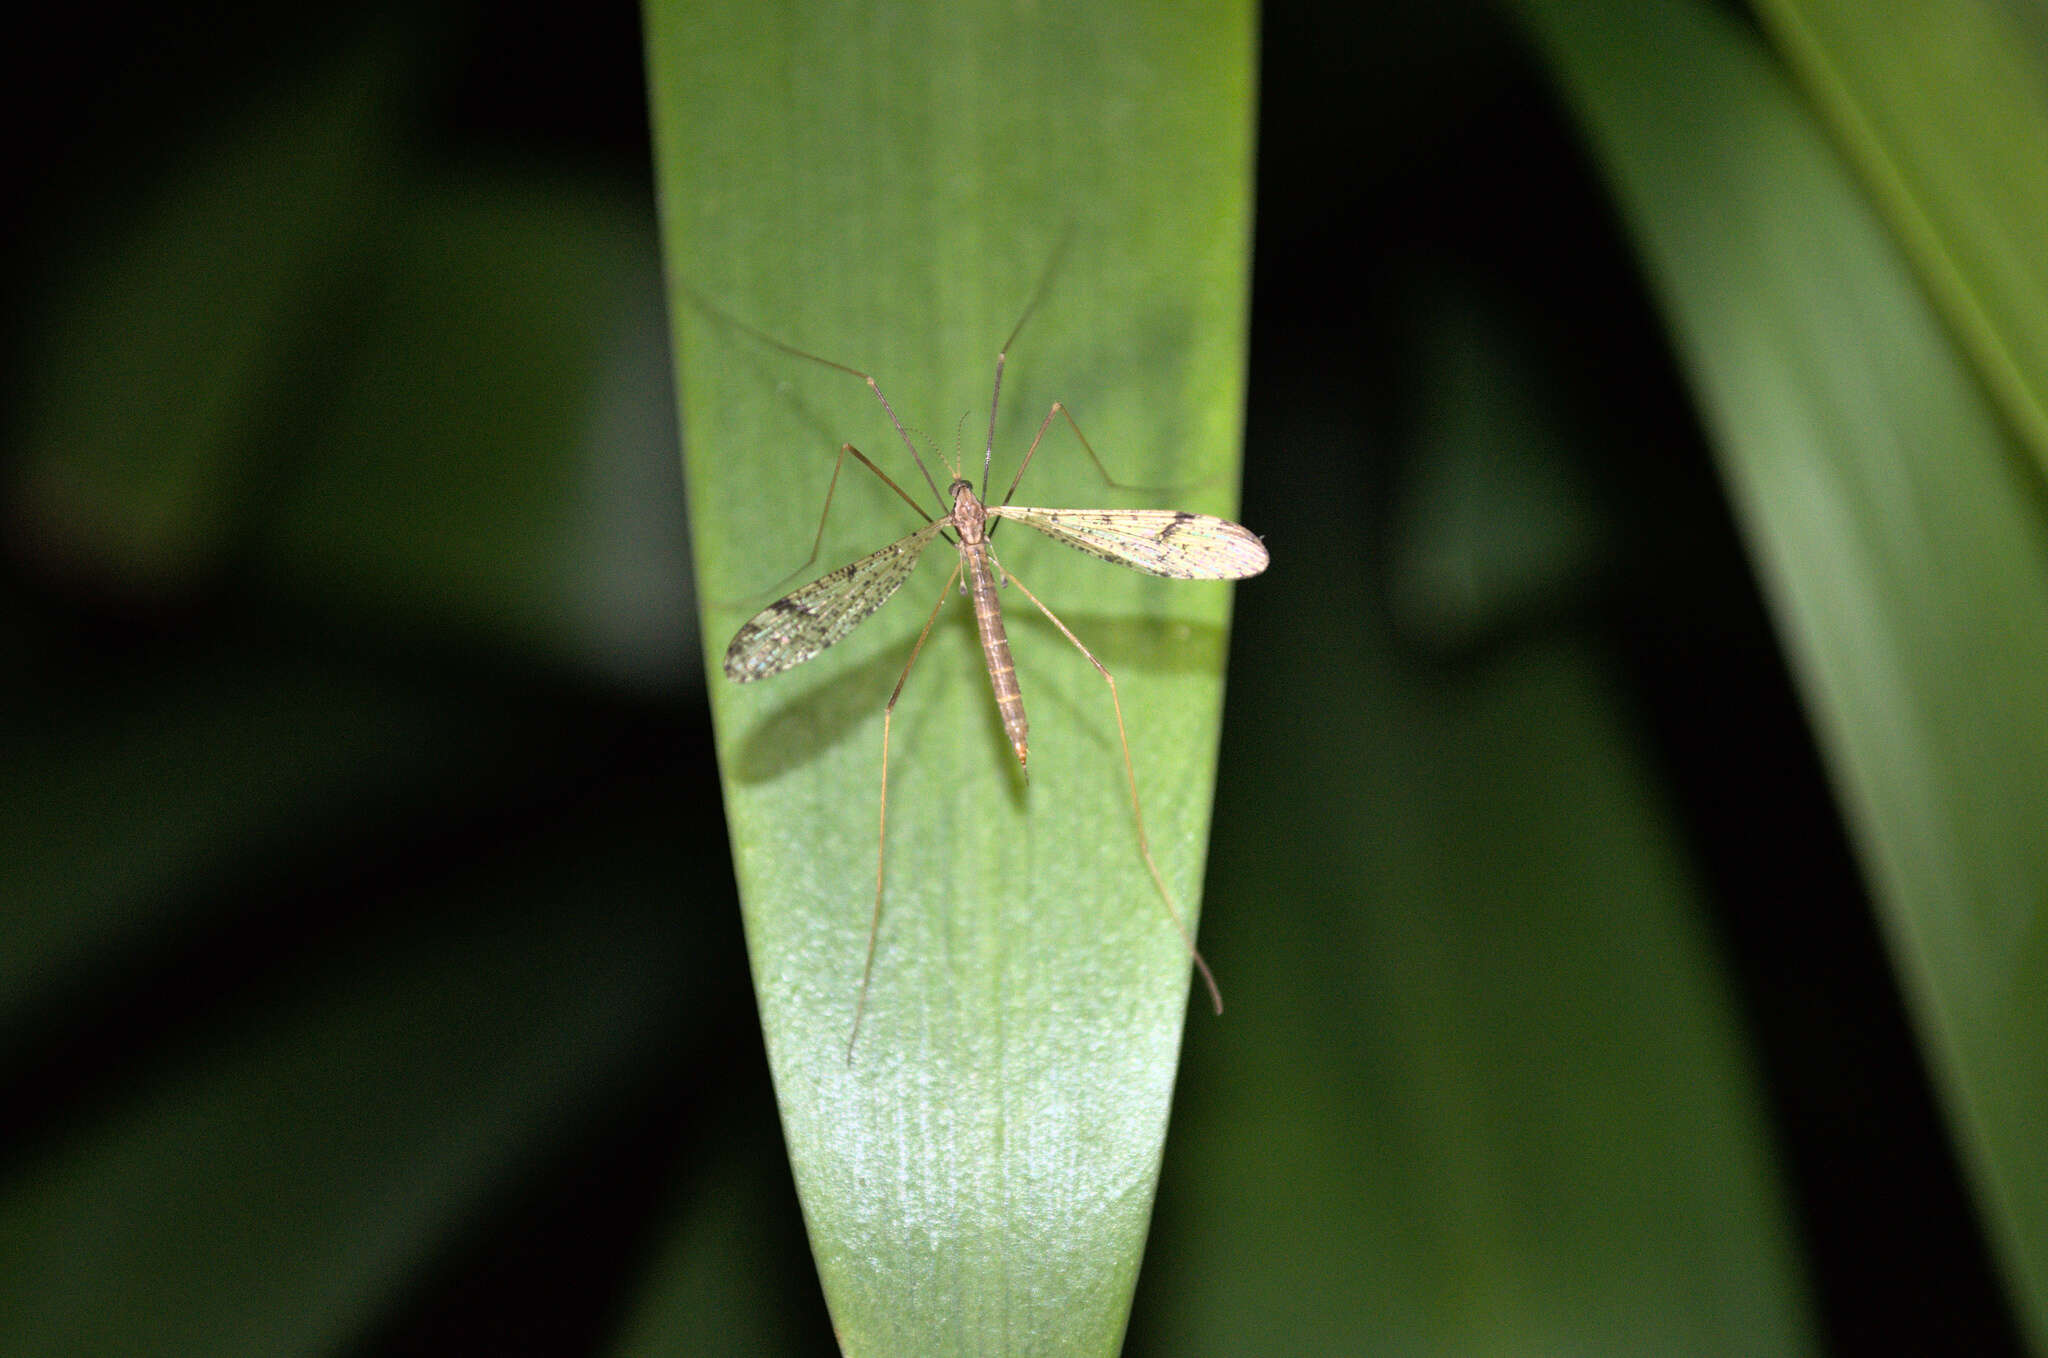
(1169, 542)
(800, 625)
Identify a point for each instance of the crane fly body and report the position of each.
(1164, 542)
(798, 626)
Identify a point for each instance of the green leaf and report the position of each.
(1493, 1070)
(884, 186)
(1939, 105)
(1899, 528)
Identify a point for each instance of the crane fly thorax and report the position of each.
(969, 516)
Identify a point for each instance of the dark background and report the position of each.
(394, 763)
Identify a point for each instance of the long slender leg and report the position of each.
(867, 968)
(1137, 812)
(1003, 355)
(1059, 408)
(831, 489)
(704, 304)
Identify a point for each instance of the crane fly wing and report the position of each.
(798, 626)
(1169, 542)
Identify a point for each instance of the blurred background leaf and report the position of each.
(372, 981)
(1940, 108)
(1897, 523)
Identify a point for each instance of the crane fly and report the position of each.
(1165, 542)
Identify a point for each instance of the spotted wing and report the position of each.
(798, 626)
(1170, 542)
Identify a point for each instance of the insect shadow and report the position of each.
(803, 727)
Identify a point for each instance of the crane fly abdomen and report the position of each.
(995, 648)
(970, 520)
